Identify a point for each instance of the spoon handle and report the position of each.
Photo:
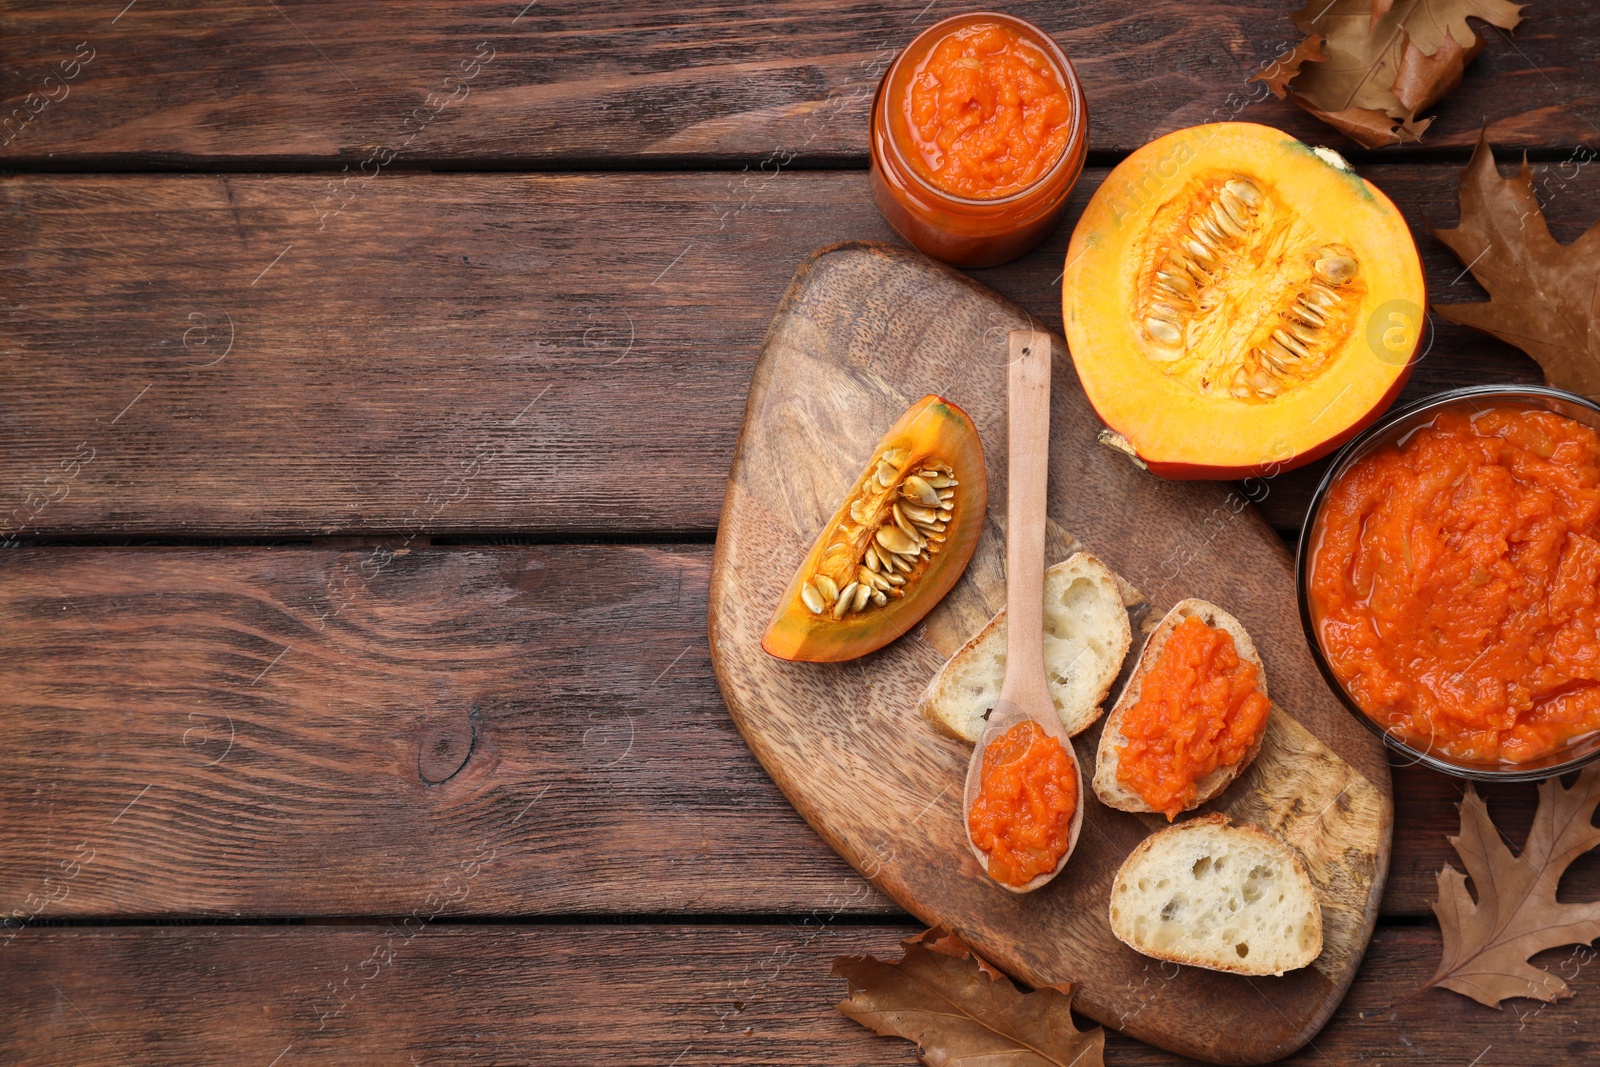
(1028, 443)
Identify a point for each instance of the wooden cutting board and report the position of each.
(862, 332)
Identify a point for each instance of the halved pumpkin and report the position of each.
(1238, 303)
(896, 545)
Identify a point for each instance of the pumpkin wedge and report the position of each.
(898, 542)
(1238, 303)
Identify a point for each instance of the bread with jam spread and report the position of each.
(1107, 787)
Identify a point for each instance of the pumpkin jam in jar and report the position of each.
(1027, 796)
(978, 135)
(1199, 708)
(1455, 584)
(987, 113)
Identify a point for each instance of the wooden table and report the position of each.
(370, 381)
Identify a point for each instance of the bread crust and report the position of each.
(1112, 792)
(939, 704)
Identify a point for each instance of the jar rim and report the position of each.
(1053, 51)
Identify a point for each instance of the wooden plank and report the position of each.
(456, 354)
(419, 993)
(123, 668)
(313, 732)
(863, 332)
(716, 80)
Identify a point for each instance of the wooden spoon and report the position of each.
(1025, 693)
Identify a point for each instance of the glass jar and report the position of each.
(959, 230)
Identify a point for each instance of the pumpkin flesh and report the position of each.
(1238, 303)
(894, 547)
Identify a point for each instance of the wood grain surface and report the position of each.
(863, 331)
(620, 995)
(315, 732)
(492, 272)
(121, 668)
(461, 354)
(565, 83)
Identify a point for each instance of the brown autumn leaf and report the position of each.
(1487, 943)
(960, 1010)
(1544, 297)
(1367, 67)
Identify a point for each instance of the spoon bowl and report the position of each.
(1025, 693)
(1007, 714)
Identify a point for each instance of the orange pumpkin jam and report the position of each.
(1199, 708)
(1455, 585)
(989, 113)
(1027, 795)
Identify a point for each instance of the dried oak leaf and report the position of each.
(1487, 943)
(1544, 297)
(1367, 67)
(960, 1010)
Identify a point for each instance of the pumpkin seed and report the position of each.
(879, 597)
(1290, 344)
(827, 587)
(1162, 331)
(812, 598)
(1302, 333)
(1310, 314)
(895, 540)
(863, 593)
(1224, 223)
(1321, 295)
(919, 490)
(1208, 231)
(1177, 281)
(1245, 191)
(1334, 268)
(846, 596)
(1274, 358)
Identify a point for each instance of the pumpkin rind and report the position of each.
(931, 430)
(1297, 335)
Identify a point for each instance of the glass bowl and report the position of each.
(1392, 429)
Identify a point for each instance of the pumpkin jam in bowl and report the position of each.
(978, 135)
(1450, 581)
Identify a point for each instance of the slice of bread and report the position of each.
(1112, 792)
(1212, 894)
(1086, 638)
